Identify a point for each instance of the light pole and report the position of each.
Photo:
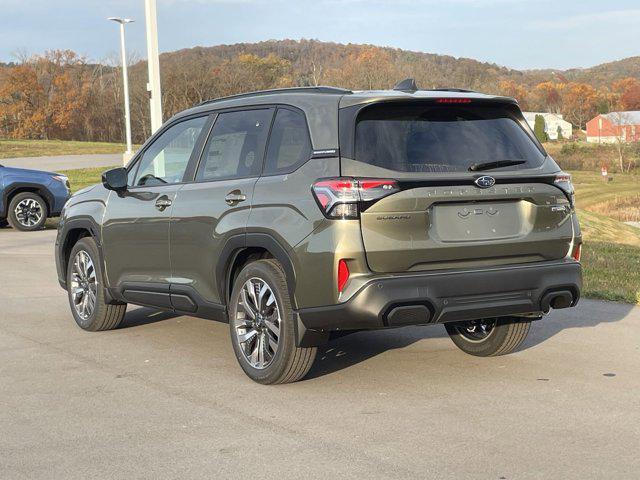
(153, 63)
(125, 80)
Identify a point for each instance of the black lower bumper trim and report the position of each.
(452, 296)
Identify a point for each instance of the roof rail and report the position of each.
(322, 90)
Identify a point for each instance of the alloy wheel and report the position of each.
(29, 212)
(257, 323)
(84, 285)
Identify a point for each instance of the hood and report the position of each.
(26, 171)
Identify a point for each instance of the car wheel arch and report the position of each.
(17, 188)
(73, 236)
(242, 249)
(72, 232)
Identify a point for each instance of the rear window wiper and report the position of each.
(476, 167)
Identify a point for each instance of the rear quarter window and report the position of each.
(289, 143)
(442, 138)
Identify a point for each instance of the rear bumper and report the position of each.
(450, 296)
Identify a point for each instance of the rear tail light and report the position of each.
(343, 274)
(577, 252)
(345, 197)
(563, 182)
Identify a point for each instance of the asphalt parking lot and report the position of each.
(162, 397)
(64, 162)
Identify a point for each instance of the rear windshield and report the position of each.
(442, 138)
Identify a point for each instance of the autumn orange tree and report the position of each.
(67, 105)
(22, 104)
(45, 97)
(512, 89)
(628, 90)
(60, 95)
(249, 72)
(370, 68)
(546, 97)
(579, 103)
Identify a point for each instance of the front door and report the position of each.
(135, 232)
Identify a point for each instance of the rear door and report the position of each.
(473, 191)
(215, 206)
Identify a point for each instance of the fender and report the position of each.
(40, 189)
(83, 223)
(237, 243)
(234, 245)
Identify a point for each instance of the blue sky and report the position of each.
(514, 33)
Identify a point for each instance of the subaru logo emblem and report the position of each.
(485, 181)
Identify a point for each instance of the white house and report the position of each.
(551, 123)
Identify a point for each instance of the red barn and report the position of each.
(614, 127)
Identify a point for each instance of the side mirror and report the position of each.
(115, 179)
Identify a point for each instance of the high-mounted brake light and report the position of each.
(344, 197)
(453, 100)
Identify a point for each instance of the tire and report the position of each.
(27, 212)
(102, 316)
(286, 362)
(504, 336)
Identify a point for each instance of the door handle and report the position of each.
(234, 197)
(163, 202)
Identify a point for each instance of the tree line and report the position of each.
(61, 95)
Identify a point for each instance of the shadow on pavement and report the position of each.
(351, 349)
(144, 316)
(588, 313)
(348, 349)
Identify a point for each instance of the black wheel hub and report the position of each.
(477, 330)
(29, 214)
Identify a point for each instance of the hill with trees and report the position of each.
(61, 95)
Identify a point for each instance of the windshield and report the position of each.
(443, 138)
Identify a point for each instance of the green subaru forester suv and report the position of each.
(295, 213)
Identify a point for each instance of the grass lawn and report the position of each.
(611, 271)
(40, 148)
(611, 250)
(83, 177)
(593, 191)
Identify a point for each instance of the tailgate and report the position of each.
(452, 227)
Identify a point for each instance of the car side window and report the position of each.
(289, 144)
(166, 159)
(131, 177)
(235, 148)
